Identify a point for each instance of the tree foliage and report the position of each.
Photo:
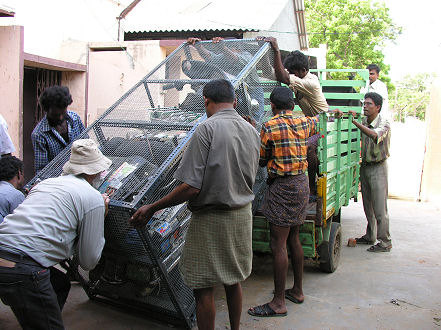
(412, 96)
(355, 32)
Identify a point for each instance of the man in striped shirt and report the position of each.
(375, 142)
(58, 128)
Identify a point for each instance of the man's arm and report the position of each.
(364, 129)
(281, 74)
(179, 195)
(195, 42)
(91, 237)
(265, 147)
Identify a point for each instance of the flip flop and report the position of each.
(379, 248)
(264, 311)
(362, 240)
(292, 298)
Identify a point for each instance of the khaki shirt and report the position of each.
(222, 161)
(309, 94)
(371, 151)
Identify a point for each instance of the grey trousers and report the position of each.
(374, 189)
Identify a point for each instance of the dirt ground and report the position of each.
(396, 290)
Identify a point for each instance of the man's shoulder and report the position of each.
(74, 116)
(40, 128)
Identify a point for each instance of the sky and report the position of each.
(49, 22)
(418, 48)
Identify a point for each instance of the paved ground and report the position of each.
(396, 290)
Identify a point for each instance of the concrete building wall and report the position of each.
(76, 81)
(11, 87)
(113, 72)
(431, 181)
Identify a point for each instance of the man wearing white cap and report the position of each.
(60, 216)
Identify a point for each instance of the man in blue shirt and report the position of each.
(57, 129)
(11, 180)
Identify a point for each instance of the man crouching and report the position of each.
(60, 216)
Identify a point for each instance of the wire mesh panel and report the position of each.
(145, 134)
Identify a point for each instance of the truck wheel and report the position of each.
(337, 218)
(333, 251)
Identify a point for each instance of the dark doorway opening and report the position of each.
(34, 83)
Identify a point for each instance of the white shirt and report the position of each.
(59, 216)
(380, 87)
(6, 145)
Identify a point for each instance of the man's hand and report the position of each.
(140, 218)
(250, 120)
(106, 203)
(217, 40)
(337, 113)
(271, 40)
(192, 40)
(353, 113)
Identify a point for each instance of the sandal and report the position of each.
(379, 248)
(290, 297)
(264, 311)
(362, 240)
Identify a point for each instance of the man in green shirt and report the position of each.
(375, 142)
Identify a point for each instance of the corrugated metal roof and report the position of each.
(6, 11)
(203, 15)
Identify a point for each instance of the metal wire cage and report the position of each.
(145, 134)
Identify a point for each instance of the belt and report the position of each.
(372, 163)
(20, 258)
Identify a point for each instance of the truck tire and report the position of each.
(333, 251)
(336, 217)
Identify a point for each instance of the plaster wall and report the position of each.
(113, 72)
(11, 87)
(431, 181)
(76, 81)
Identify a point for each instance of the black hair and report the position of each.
(9, 167)
(296, 60)
(282, 98)
(55, 96)
(219, 91)
(373, 67)
(377, 98)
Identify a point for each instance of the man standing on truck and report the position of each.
(283, 151)
(377, 86)
(294, 72)
(375, 141)
(217, 172)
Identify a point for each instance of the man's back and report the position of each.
(222, 161)
(309, 94)
(10, 198)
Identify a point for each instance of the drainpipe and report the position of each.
(299, 13)
(124, 13)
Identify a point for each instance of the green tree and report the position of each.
(354, 31)
(412, 96)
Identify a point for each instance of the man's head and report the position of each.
(86, 160)
(374, 72)
(11, 170)
(297, 64)
(218, 94)
(54, 101)
(281, 99)
(372, 104)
